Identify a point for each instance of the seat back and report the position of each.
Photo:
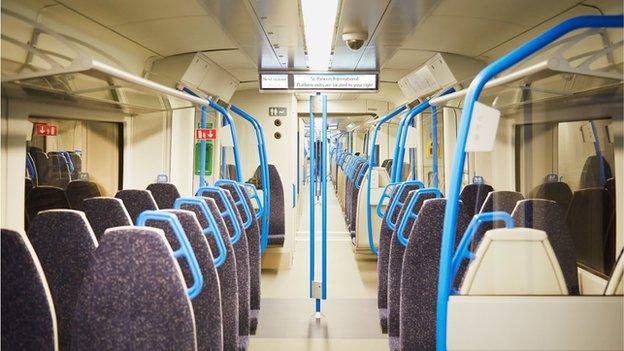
(473, 195)
(42, 165)
(518, 261)
(395, 261)
(77, 161)
(64, 243)
(206, 305)
(496, 201)
(548, 216)
(589, 220)
(78, 190)
(104, 213)
(231, 172)
(59, 171)
(559, 192)
(137, 201)
(253, 241)
(28, 317)
(42, 198)
(133, 296)
(615, 286)
(28, 185)
(277, 220)
(228, 281)
(164, 194)
(419, 278)
(241, 253)
(385, 237)
(596, 171)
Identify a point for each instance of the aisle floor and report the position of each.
(350, 320)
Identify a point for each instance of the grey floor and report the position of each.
(349, 321)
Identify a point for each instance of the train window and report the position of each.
(60, 151)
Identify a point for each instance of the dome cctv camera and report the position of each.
(354, 40)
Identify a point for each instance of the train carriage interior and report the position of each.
(313, 175)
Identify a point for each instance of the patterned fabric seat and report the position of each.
(228, 281)
(206, 305)
(64, 243)
(133, 296)
(241, 252)
(78, 190)
(253, 240)
(164, 194)
(385, 236)
(496, 201)
(137, 201)
(548, 216)
(419, 280)
(42, 198)
(395, 266)
(559, 192)
(28, 317)
(104, 213)
(473, 196)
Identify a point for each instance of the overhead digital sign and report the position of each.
(339, 82)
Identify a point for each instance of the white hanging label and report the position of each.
(411, 140)
(483, 126)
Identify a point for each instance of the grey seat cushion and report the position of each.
(28, 319)
(164, 194)
(596, 171)
(206, 305)
(228, 281)
(385, 236)
(133, 296)
(395, 264)
(104, 213)
(137, 201)
(548, 216)
(78, 190)
(419, 281)
(495, 201)
(64, 243)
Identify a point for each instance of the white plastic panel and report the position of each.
(551, 323)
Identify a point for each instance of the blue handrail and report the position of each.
(253, 195)
(434, 147)
(241, 200)
(463, 252)
(454, 184)
(409, 212)
(406, 121)
(386, 194)
(185, 251)
(264, 168)
(229, 211)
(324, 201)
(396, 202)
(212, 229)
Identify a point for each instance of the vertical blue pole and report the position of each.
(324, 199)
(434, 146)
(202, 149)
(312, 186)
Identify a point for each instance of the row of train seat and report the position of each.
(105, 275)
(55, 168)
(46, 197)
(540, 243)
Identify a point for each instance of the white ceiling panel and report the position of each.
(118, 12)
(408, 59)
(231, 59)
(176, 35)
(245, 75)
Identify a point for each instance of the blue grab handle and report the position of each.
(241, 200)
(253, 194)
(212, 229)
(396, 202)
(409, 212)
(462, 249)
(229, 211)
(185, 251)
(386, 194)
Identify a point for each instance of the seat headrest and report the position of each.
(137, 201)
(164, 194)
(518, 261)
